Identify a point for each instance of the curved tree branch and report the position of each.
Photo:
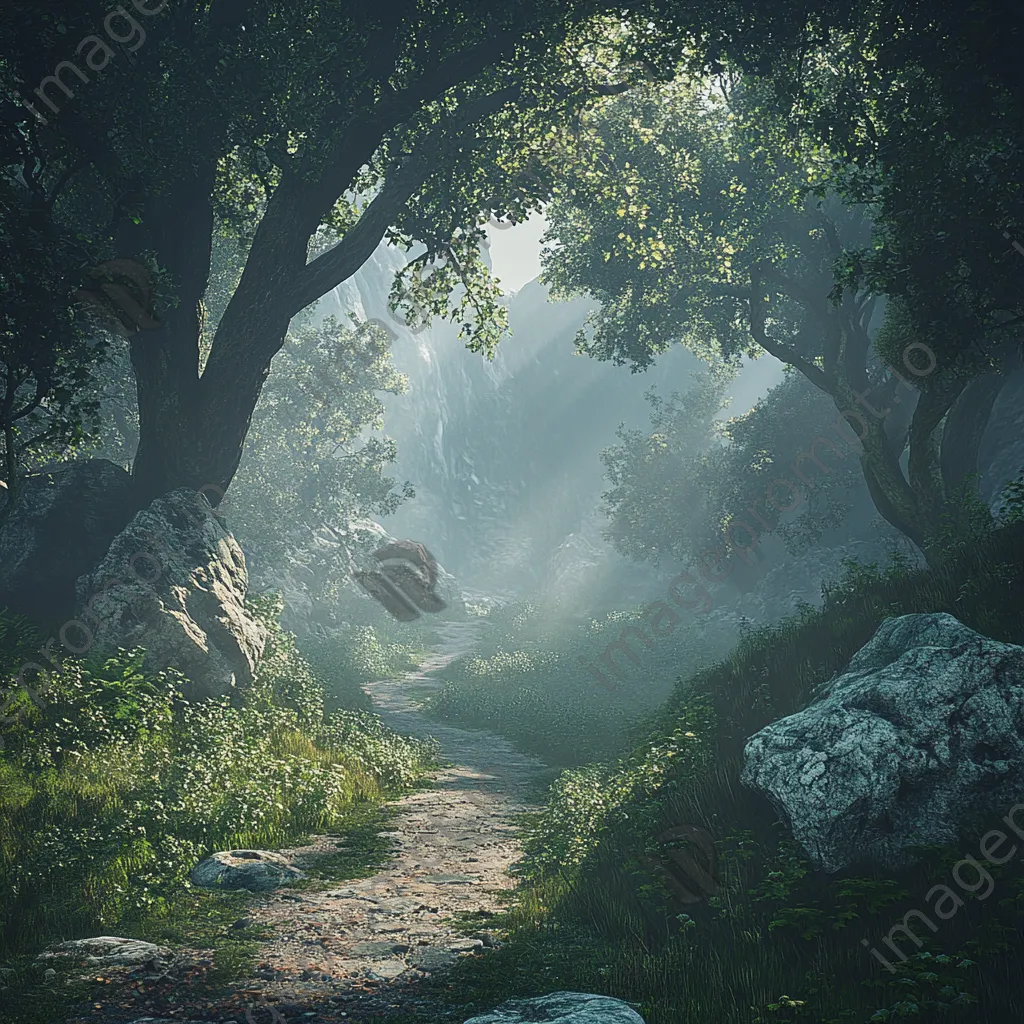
(783, 352)
(341, 262)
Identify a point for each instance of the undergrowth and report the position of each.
(345, 658)
(777, 940)
(112, 788)
(534, 683)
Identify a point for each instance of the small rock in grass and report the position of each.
(107, 951)
(465, 945)
(254, 870)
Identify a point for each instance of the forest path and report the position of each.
(361, 947)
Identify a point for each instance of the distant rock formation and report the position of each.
(924, 730)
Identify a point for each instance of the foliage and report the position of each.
(707, 194)
(705, 215)
(47, 358)
(352, 655)
(408, 122)
(113, 787)
(532, 680)
(934, 148)
(657, 506)
(313, 454)
(676, 495)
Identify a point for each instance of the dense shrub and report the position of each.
(113, 787)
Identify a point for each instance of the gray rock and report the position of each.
(174, 582)
(107, 951)
(562, 1008)
(466, 945)
(923, 730)
(61, 527)
(387, 970)
(382, 949)
(431, 958)
(255, 870)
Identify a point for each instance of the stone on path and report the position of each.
(562, 1008)
(106, 951)
(371, 948)
(431, 958)
(255, 870)
(388, 970)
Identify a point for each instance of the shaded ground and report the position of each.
(363, 949)
(453, 845)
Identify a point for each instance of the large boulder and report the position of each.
(562, 1008)
(923, 731)
(61, 527)
(174, 582)
(319, 578)
(407, 564)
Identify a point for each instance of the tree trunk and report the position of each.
(192, 431)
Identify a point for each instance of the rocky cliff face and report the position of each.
(503, 453)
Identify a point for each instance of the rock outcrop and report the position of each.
(924, 730)
(562, 1008)
(61, 527)
(174, 582)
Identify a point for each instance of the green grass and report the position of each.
(365, 850)
(351, 656)
(529, 681)
(113, 788)
(592, 913)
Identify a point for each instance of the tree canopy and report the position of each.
(697, 212)
(282, 121)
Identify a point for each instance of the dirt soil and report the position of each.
(454, 845)
(360, 950)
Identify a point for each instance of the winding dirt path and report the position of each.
(362, 947)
